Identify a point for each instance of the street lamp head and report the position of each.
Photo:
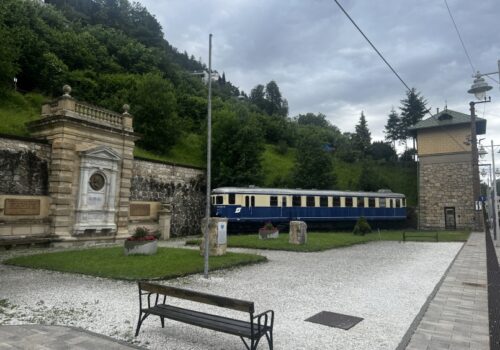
(479, 87)
(482, 152)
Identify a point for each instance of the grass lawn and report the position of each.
(112, 263)
(326, 240)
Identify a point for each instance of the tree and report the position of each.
(362, 136)
(237, 148)
(273, 98)
(257, 97)
(413, 109)
(313, 119)
(314, 167)
(380, 150)
(393, 128)
(369, 180)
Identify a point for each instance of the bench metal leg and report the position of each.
(162, 322)
(139, 322)
(269, 337)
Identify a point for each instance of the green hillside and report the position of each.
(114, 52)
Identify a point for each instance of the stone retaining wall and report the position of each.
(23, 166)
(180, 185)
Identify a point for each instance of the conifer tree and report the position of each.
(362, 136)
(413, 109)
(392, 128)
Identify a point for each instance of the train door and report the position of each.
(283, 206)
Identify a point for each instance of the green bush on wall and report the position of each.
(362, 226)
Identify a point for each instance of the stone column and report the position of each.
(164, 220)
(217, 236)
(298, 232)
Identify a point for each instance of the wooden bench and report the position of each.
(419, 235)
(252, 329)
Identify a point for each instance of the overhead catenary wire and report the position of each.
(373, 46)
(394, 71)
(460, 38)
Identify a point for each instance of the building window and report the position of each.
(232, 199)
(273, 201)
(348, 202)
(371, 202)
(310, 201)
(336, 201)
(296, 202)
(323, 201)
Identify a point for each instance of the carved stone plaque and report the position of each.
(22, 207)
(140, 209)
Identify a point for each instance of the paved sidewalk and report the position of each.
(55, 338)
(457, 316)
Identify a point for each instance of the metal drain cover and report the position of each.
(333, 319)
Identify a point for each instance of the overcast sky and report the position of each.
(323, 64)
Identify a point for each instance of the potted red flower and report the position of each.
(141, 242)
(268, 231)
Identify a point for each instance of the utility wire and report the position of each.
(460, 37)
(373, 46)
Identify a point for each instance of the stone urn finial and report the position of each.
(126, 108)
(66, 89)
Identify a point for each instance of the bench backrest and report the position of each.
(230, 303)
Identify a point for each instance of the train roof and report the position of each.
(291, 192)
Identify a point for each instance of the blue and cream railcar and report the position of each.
(241, 204)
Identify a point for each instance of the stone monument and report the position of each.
(298, 232)
(217, 236)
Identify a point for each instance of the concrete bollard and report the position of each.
(217, 236)
(298, 232)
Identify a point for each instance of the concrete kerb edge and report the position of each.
(418, 318)
(78, 329)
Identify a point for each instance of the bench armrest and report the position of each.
(264, 319)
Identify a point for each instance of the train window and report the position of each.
(348, 202)
(232, 198)
(323, 201)
(247, 201)
(283, 201)
(253, 201)
(404, 202)
(296, 202)
(219, 200)
(371, 202)
(310, 201)
(381, 202)
(336, 201)
(273, 201)
(398, 203)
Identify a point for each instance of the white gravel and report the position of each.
(386, 283)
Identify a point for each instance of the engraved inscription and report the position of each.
(22, 207)
(140, 209)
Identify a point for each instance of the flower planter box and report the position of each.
(268, 234)
(140, 247)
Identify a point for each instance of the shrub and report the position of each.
(144, 234)
(362, 226)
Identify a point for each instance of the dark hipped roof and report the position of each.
(448, 118)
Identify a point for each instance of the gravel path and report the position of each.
(385, 283)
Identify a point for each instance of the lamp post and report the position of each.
(209, 156)
(495, 202)
(479, 89)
